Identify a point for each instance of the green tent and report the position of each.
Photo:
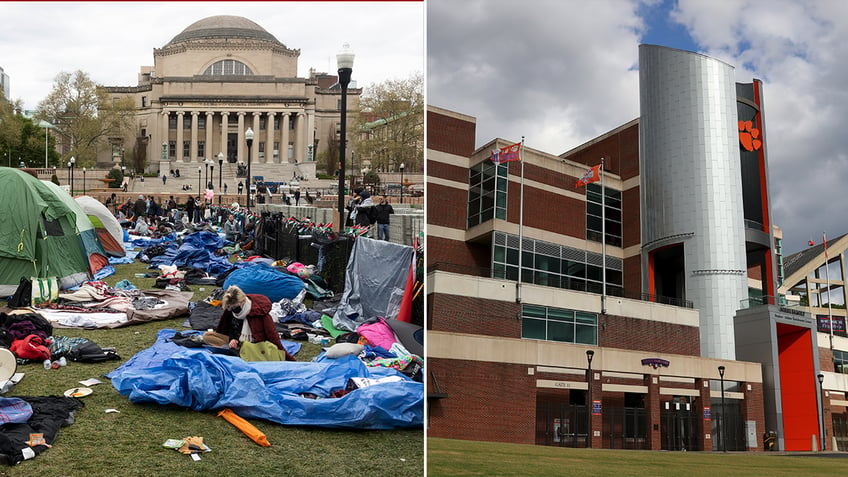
(90, 242)
(38, 236)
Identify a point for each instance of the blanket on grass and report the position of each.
(284, 392)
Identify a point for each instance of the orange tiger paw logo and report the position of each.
(749, 136)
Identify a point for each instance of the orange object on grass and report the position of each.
(247, 428)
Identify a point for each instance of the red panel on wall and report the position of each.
(797, 387)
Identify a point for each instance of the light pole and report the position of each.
(206, 168)
(589, 355)
(83, 181)
(45, 125)
(248, 136)
(722, 421)
(823, 431)
(345, 62)
(401, 182)
(123, 172)
(69, 175)
(198, 179)
(220, 170)
(73, 161)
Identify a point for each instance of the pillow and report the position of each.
(343, 349)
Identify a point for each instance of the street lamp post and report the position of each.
(722, 421)
(248, 136)
(401, 182)
(73, 162)
(206, 169)
(69, 175)
(220, 170)
(198, 179)
(345, 63)
(589, 355)
(83, 181)
(822, 431)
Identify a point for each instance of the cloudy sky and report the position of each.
(561, 72)
(111, 40)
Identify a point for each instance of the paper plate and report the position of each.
(78, 392)
(8, 364)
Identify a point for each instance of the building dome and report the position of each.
(221, 27)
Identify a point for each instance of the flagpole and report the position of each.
(603, 241)
(520, 223)
(827, 277)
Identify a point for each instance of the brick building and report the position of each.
(540, 332)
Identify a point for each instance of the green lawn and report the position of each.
(447, 457)
(129, 443)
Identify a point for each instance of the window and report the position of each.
(262, 121)
(277, 123)
(186, 121)
(144, 101)
(172, 148)
(172, 121)
(186, 148)
(487, 183)
(201, 123)
(840, 361)
(201, 148)
(613, 214)
(557, 324)
(291, 126)
(228, 68)
(554, 265)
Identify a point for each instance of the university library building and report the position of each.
(644, 304)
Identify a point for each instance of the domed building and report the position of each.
(212, 82)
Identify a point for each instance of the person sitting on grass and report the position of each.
(246, 319)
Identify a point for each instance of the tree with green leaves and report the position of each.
(22, 140)
(85, 116)
(391, 124)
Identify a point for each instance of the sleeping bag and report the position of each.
(261, 279)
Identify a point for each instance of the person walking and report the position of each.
(383, 209)
(240, 187)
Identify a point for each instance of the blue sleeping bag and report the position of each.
(261, 279)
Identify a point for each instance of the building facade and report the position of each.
(212, 82)
(611, 315)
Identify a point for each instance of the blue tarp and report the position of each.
(265, 280)
(167, 373)
(197, 251)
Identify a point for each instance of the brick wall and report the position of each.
(450, 135)
(646, 335)
(486, 402)
(462, 314)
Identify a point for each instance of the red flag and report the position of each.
(824, 240)
(592, 175)
(506, 154)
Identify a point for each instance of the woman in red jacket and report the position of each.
(246, 318)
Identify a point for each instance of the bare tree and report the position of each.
(85, 116)
(391, 124)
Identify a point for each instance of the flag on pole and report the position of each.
(592, 175)
(506, 154)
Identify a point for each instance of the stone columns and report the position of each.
(193, 146)
(180, 148)
(210, 151)
(284, 144)
(269, 143)
(254, 151)
(225, 126)
(241, 146)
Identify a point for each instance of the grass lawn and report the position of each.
(129, 443)
(471, 458)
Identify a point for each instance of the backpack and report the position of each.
(90, 352)
(23, 294)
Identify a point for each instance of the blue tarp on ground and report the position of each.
(167, 373)
(262, 279)
(197, 251)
